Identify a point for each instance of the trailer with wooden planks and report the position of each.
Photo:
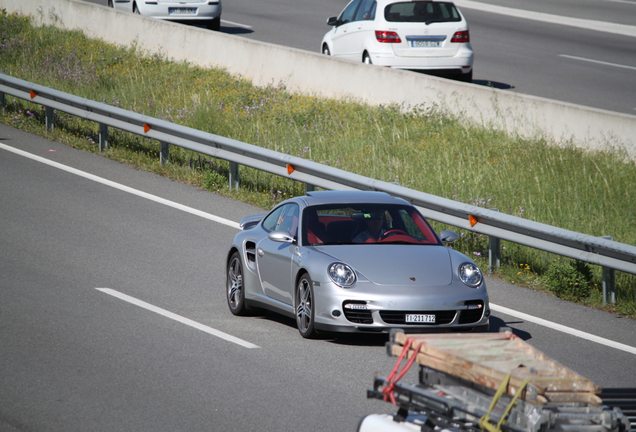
(486, 382)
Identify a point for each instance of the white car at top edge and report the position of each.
(202, 11)
(424, 35)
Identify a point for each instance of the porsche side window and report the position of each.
(283, 218)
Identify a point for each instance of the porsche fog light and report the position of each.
(470, 274)
(342, 275)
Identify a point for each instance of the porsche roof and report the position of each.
(333, 197)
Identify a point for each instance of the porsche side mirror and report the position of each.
(333, 21)
(281, 236)
(447, 236)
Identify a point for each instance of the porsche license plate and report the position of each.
(182, 11)
(420, 318)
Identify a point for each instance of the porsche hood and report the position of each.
(396, 264)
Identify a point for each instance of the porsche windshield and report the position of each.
(365, 224)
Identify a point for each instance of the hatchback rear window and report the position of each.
(421, 11)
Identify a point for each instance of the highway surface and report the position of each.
(515, 48)
(113, 313)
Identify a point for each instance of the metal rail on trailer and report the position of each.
(487, 382)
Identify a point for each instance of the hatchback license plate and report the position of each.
(182, 11)
(420, 318)
(425, 44)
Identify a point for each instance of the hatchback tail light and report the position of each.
(460, 37)
(387, 36)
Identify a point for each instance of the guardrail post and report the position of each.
(494, 252)
(48, 115)
(3, 102)
(234, 176)
(164, 152)
(309, 187)
(103, 137)
(608, 282)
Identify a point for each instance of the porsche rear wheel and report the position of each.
(235, 289)
(305, 307)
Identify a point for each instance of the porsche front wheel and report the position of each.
(305, 307)
(235, 289)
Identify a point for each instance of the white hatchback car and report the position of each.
(423, 35)
(204, 11)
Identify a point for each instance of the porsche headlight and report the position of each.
(470, 274)
(342, 275)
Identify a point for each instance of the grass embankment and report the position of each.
(423, 149)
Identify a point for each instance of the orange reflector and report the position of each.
(290, 169)
(473, 220)
(33, 94)
(146, 128)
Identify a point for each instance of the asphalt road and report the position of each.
(522, 54)
(84, 264)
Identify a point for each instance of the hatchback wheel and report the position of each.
(366, 59)
(325, 50)
(215, 24)
(305, 307)
(136, 9)
(468, 77)
(111, 4)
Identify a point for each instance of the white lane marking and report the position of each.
(603, 26)
(245, 26)
(501, 309)
(123, 188)
(597, 61)
(564, 329)
(178, 318)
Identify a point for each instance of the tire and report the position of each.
(325, 50)
(234, 288)
(467, 77)
(136, 9)
(366, 59)
(215, 24)
(482, 329)
(111, 4)
(305, 308)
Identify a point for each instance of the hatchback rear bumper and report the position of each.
(463, 62)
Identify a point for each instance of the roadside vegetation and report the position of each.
(422, 148)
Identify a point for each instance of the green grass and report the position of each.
(423, 148)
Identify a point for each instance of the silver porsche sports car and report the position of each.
(354, 261)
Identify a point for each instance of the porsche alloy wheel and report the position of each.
(305, 307)
(234, 286)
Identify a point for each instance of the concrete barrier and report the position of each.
(314, 73)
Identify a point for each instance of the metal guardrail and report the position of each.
(594, 250)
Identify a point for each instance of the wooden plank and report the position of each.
(487, 358)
